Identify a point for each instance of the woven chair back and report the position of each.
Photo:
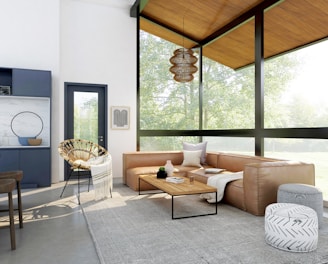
(73, 150)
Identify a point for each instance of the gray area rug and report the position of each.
(129, 228)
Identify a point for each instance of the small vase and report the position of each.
(169, 168)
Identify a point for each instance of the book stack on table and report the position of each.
(175, 179)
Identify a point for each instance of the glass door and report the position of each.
(86, 113)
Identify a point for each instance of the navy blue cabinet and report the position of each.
(35, 162)
(31, 83)
(9, 160)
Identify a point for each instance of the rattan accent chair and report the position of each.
(77, 153)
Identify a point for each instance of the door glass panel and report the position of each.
(86, 116)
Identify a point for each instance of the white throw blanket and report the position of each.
(102, 178)
(220, 181)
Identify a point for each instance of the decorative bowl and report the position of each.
(34, 141)
(24, 140)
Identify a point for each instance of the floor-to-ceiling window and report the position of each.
(300, 102)
(165, 104)
(221, 110)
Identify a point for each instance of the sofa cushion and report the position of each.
(234, 194)
(143, 170)
(200, 146)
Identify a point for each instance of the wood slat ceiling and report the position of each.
(288, 25)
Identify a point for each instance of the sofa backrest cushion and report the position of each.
(212, 159)
(153, 158)
(236, 162)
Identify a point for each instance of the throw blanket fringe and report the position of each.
(102, 178)
(220, 181)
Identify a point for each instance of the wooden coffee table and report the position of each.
(178, 189)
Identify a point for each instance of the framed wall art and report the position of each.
(5, 90)
(120, 117)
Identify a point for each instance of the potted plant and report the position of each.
(161, 173)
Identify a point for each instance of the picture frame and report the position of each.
(120, 117)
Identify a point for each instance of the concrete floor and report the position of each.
(55, 230)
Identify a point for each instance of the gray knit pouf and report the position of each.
(291, 227)
(303, 194)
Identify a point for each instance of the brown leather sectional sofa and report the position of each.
(258, 188)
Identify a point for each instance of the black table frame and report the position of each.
(172, 201)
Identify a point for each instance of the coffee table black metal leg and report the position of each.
(139, 184)
(172, 208)
(216, 202)
(145, 192)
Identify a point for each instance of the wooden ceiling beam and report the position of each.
(168, 28)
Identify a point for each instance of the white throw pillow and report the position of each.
(213, 170)
(80, 162)
(92, 161)
(200, 146)
(192, 158)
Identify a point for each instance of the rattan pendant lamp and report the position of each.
(183, 62)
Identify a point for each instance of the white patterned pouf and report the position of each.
(291, 227)
(303, 194)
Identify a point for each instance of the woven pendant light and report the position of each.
(183, 67)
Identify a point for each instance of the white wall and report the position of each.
(84, 41)
(29, 34)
